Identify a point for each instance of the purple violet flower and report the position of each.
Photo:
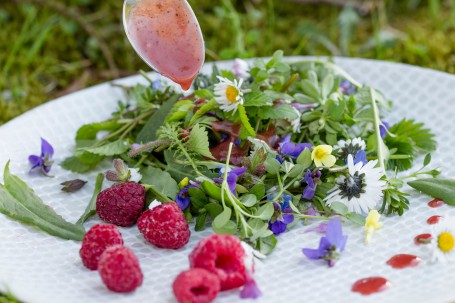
(156, 85)
(44, 161)
(232, 177)
(250, 290)
(383, 129)
(360, 156)
(347, 88)
(331, 245)
(300, 106)
(320, 228)
(292, 149)
(312, 182)
(183, 198)
(282, 217)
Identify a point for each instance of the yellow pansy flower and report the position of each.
(322, 156)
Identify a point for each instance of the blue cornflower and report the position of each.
(312, 182)
(383, 129)
(283, 215)
(347, 88)
(183, 198)
(288, 148)
(44, 161)
(331, 245)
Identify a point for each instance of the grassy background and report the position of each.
(51, 48)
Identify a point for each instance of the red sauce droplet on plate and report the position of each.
(368, 286)
(422, 239)
(436, 203)
(166, 34)
(434, 219)
(403, 261)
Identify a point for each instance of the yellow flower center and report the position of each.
(232, 94)
(319, 153)
(446, 242)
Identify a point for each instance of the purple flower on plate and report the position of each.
(330, 246)
(383, 129)
(44, 161)
(320, 228)
(360, 156)
(183, 198)
(312, 181)
(232, 177)
(250, 290)
(283, 215)
(292, 149)
(347, 88)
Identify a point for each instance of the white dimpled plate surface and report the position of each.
(38, 268)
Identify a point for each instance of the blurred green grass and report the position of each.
(51, 48)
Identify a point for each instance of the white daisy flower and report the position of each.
(443, 240)
(229, 94)
(361, 189)
(135, 175)
(349, 147)
(240, 69)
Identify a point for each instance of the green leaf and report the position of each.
(197, 197)
(148, 132)
(203, 110)
(258, 190)
(327, 85)
(109, 149)
(177, 170)
(356, 218)
(443, 189)
(309, 89)
(203, 93)
(199, 141)
(211, 190)
(245, 122)
(161, 181)
(267, 245)
(200, 222)
(335, 110)
(213, 209)
(91, 207)
(296, 170)
(339, 207)
(222, 219)
(427, 160)
(229, 229)
(180, 110)
(421, 137)
(257, 98)
(19, 202)
(75, 165)
(89, 131)
(281, 112)
(249, 200)
(272, 165)
(304, 158)
(265, 212)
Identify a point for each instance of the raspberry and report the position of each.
(165, 226)
(222, 255)
(196, 285)
(95, 241)
(119, 269)
(121, 204)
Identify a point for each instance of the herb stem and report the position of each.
(289, 82)
(377, 121)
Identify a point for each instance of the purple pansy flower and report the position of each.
(383, 129)
(282, 216)
(347, 88)
(312, 182)
(360, 156)
(183, 198)
(331, 245)
(232, 177)
(44, 161)
(250, 290)
(292, 149)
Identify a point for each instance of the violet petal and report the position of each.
(46, 148)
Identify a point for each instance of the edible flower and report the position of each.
(292, 149)
(282, 216)
(383, 129)
(250, 290)
(240, 68)
(44, 161)
(312, 182)
(183, 198)
(228, 94)
(443, 240)
(355, 147)
(322, 156)
(331, 245)
(372, 224)
(123, 173)
(347, 88)
(232, 177)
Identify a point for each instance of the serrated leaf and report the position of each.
(284, 111)
(19, 202)
(110, 149)
(148, 132)
(304, 158)
(265, 212)
(245, 121)
(422, 137)
(161, 181)
(75, 165)
(199, 141)
(443, 189)
(257, 98)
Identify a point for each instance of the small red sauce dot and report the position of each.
(436, 203)
(434, 219)
(368, 286)
(403, 261)
(422, 239)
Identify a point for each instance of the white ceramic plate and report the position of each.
(38, 268)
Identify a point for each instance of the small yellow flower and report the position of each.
(185, 181)
(371, 224)
(322, 156)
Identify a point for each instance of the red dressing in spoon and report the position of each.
(166, 34)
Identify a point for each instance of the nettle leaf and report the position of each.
(110, 149)
(422, 137)
(19, 202)
(257, 98)
(161, 181)
(199, 141)
(246, 122)
(284, 111)
(148, 132)
(443, 189)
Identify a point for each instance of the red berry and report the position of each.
(165, 226)
(95, 241)
(196, 285)
(119, 269)
(224, 256)
(121, 204)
